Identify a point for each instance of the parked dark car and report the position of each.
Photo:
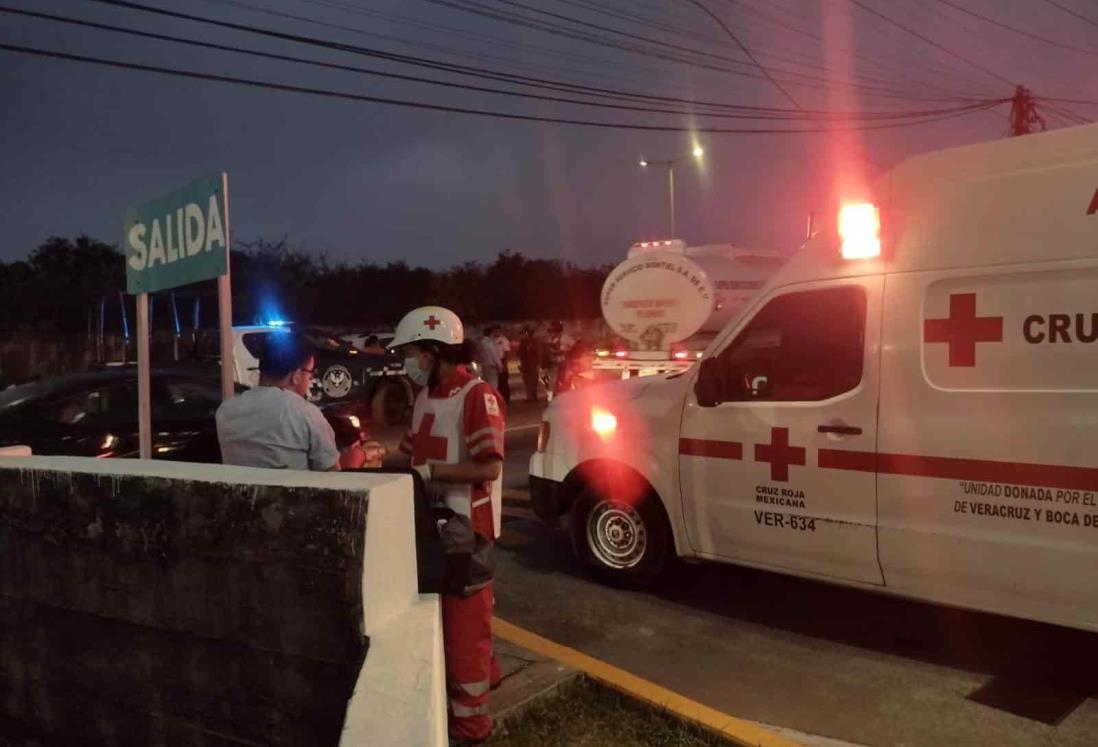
(94, 414)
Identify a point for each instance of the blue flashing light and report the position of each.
(277, 323)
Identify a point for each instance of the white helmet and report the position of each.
(429, 323)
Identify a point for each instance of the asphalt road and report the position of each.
(820, 659)
(804, 655)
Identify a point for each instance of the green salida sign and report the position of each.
(178, 239)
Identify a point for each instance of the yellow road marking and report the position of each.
(737, 730)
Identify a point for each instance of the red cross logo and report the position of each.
(780, 454)
(424, 445)
(431, 322)
(963, 330)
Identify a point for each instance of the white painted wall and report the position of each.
(400, 696)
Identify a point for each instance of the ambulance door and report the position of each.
(988, 476)
(778, 440)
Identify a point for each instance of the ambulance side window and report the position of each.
(800, 347)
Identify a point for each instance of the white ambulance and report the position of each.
(909, 405)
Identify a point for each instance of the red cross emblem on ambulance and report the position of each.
(780, 454)
(963, 330)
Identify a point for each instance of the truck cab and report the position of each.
(908, 406)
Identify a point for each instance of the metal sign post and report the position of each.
(144, 388)
(179, 239)
(225, 305)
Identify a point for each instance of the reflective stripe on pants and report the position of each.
(467, 638)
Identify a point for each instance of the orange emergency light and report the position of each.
(860, 231)
(603, 423)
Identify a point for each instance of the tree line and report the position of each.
(60, 284)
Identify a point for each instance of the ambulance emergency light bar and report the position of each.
(860, 231)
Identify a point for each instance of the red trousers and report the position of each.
(471, 668)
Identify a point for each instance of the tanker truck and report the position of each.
(666, 301)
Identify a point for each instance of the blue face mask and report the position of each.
(415, 372)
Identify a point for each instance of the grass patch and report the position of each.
(586, 714)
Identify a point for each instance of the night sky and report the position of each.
(364, 181)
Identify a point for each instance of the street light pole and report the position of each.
(671, 194)
(670, 164)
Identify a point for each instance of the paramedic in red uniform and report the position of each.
(456, 444)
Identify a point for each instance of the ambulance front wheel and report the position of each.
(624, 541)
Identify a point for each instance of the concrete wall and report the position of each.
(140, 605)
(400, 695)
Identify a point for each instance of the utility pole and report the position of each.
(1024, 118)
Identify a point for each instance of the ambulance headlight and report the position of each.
(603, 423)
(860, 231)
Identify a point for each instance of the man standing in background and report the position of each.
(489, 355)
(503, 345)
(529, 359)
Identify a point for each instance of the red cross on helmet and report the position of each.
(429, 323)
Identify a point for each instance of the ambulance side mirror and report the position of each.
(707, 389)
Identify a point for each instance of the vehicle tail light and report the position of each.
(860, 231)
(621, 353)
(680, 355)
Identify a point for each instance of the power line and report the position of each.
(1066, 114)
(516, 19)
(1022, 32)
(348, 68)
(432, 64)
(397, 76)
(773, 70)
(630, 71)
(1059, 100)
(1071, 12)
(793, 58)
(943, 14)
(769, 115)
(429, 63)
(773, 18)
(403, 20)
(929, 41)
(702, 7)
(571, 33)
(544, 27)
(195, 75)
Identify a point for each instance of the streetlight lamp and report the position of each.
(697, 152)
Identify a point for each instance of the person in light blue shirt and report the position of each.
(273, 425)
